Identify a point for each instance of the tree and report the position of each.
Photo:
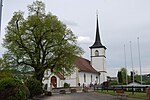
(1, 61)
(124, 74)
(132, 76)
(119, 75)
(39, 42)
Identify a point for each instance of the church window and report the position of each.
(84, 78)
(96, 53)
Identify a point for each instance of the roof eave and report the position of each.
(98, 46)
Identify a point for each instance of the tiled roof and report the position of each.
(84, 65)
(60, 76)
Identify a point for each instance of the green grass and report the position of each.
(138, 95)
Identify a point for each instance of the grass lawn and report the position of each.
(138, 95)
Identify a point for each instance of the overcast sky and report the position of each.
(120, 21)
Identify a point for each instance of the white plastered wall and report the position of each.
(99, 63)
(88, 78)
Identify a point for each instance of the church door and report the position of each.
(54, 81)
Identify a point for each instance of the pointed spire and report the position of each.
(97, 43)
(97, 38)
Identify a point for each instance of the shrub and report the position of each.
(13, 89)
(113, 82)
(34, 86)
(66, 85)
(5, 74)
(85, 89)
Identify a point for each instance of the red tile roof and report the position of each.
(60, 76)
(84, 65)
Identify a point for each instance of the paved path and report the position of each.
(84, 96)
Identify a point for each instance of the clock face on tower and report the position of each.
(96, 53)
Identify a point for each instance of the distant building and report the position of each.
(85, 71)
(112, 78)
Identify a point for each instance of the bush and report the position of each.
(13, 89)
(66, 85)
(34, 86)
(113, 82)
(5, 74)
(85, 89)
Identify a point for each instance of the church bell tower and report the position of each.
(98, 58)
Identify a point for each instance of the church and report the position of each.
(85, 72)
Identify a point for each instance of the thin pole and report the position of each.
(125, 64)
(132, 61)
(139, 59)
(1, 4)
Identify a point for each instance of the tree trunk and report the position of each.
(39, 74)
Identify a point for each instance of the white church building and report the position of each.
(85, 71)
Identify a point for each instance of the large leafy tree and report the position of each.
(122, 73)
(1, 61)
(40, 41)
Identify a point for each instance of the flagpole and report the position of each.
(1, 4)
(139, 59)
(132, 61)
(125, 65)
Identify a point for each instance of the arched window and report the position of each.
(96, 53)
(84, 78)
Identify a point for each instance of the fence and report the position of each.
(140, 88)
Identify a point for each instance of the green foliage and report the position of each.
(131, 76)
(137, 95)
(1, 61)
(146, 79)
(137, 78)
(40, 41)
(113, 82)
(34, 86)
(120, 77)
(5, 74)
(123, 72)
(66, 85)
(13, 89)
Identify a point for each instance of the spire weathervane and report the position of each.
(97, 13)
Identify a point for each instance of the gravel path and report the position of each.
(84, 96)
